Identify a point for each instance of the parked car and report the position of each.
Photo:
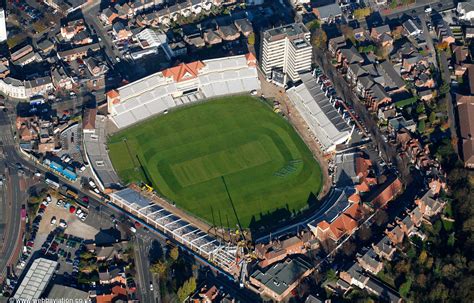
(53, 220)
(63, 223)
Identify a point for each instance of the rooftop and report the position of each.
(291, 31)
(318, 112)
(36, 279)
(279, 277)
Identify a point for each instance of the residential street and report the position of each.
(388, 152)
(446, 76)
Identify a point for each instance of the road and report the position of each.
(446, 77)
(13, 199)
(90, 13)
(429, 40)
(142, 265)
(418, 8)
(388, 151)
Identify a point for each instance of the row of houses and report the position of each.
(276, 276)
(376, 80)
(361, 273)
(25, 89)
(158, 12)
(462, 68)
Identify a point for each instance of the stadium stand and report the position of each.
(327, 125)
(180, 85)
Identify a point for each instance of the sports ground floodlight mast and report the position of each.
(233, 208)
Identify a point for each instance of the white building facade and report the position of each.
(288, 49)
(3, 25)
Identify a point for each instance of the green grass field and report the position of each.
(265, 163)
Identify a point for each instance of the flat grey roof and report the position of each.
(289, 30)
(36, 279)
(96, 149)
(282, 275)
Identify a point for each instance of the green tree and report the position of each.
(422, 257)
(331, 275)
(421, 126)
(159, 267)
(313, 25)
(432, 117)
(251, 39)
(319, 39)
(361, 13)
(174, 253)
(188, 287)
(444, 89)
(420, 108)
(405, 287)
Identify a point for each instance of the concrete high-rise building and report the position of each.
(3, 25)
(285, 51)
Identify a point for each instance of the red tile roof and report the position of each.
(387, 194)
(251, 60)
(112, 94)
(354, 198)
(88, 122)
(184, 71)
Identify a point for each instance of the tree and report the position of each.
(393, 4)
(365, 233)
(432, 117)
(361, 13)
(381, 218)
(367, 49)
(251, 39)
(188, 287)
(159, 268)
(422, 257)
(313, 25)
(421, 280)
(331, 275)
(348, 32)
(349, 248)
(420, 108)
(174, 253)
(319, 39)
(442, 46)
(421, 126)
(405, 287)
